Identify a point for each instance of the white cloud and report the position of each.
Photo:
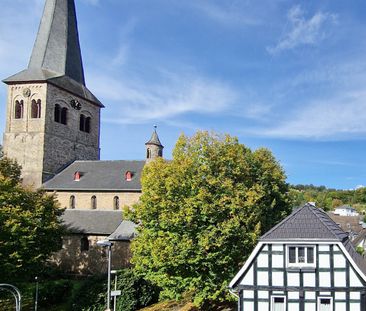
(303, 31)
(136, 100)
(338, 117)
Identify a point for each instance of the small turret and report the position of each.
(154, 148)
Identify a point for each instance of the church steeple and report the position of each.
(57, 46)
(56, 56)
(154, 148)
(52, 118)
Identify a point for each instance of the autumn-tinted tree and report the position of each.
(30, 228)
(201, 214)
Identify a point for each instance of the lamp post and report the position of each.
(108, 244)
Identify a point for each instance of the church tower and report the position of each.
(52, 118)
(154, 148)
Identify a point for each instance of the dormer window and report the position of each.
(128, 176)
(77, 176)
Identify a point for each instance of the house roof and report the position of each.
(307, 222)
(56, 56)
(94, 222)
(98, 176)
(347, 223)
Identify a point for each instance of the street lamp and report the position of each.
(108, 244)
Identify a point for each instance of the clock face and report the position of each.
(75, 104)
(26, 92)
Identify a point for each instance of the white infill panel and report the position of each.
(340, 295)
(339, 261)
(309, 279)
(262, 294)
(354, 279)
(262, 260)
(310, 306)
(340, 306)
(324, 260)
(262, 305)
(277, 247)
(323, 248)
(277, 261)
(293, 295)
(248, 305)
(339, 278)
(277, 278)
(324, 279)
(355, 295)
(248, 278)
(248, 294)
(355, 306)
(293, 306)
(309, 295)
(293, 279)
(262, 278)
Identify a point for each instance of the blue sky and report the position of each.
(287, 75)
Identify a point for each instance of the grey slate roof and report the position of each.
(308, 222)
(98, 175)
(154, 140)
(91, 221)
(126, 231)
(56, 56)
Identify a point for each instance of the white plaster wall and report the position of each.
(324, 279)
(277, 278)
(248, 278)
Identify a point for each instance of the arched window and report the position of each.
(19, 109)
(84, 244)
(72, 202)
(94, 202)
(116, 202)
(36, 109)
(148, 153)
(64, 115)
(57, 113)
(160, 153)
(82, 123)
(87, 125)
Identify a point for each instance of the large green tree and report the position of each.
(200, 214)
(30, 225)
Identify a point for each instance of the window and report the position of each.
(64, 115)
(128, 176)
(57, 112)
(19, 109)
(116, 202)
(301, 256)
(93, 202)
(148, 153)
(84, 124)
(84, 244)
(160, 153)
(36, 109)
(72, 202)
(325, 304)
(278, 303)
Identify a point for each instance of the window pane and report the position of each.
(278, 304)
(301, 255)
(310, 251)
(325, 304)
(292, 254)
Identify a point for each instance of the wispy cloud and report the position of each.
(303, 31)
(338, 117)
(136, 100)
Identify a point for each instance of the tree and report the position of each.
(201, 214)
(30, 225)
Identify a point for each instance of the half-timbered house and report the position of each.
(305, 263)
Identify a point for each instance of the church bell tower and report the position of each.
(154, 148)
(52, 118)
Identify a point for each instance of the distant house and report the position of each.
(305, 263)
(345, 210)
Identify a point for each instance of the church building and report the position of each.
(53, 131)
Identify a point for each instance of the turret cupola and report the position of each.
(154, 148)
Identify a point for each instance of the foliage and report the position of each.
(201, 214)
(328, 199)
(30, 228)
(360, 250)
(136, 293)
(54, 292)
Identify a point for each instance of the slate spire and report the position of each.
(57, 47)
(56, 56)
(154, 140)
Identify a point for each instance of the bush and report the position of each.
(54, 292)
(136, 293)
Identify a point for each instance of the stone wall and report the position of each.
(41, 145)
(72, 260)
(104, 199)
